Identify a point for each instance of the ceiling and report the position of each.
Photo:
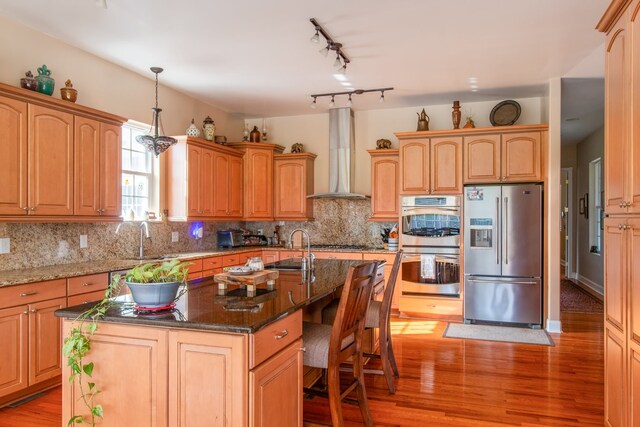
(582, 108)
(254, 57)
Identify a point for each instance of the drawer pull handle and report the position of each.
(282, 334)
(33, 310)
(88, 284)
(25, 312)
(28, 294)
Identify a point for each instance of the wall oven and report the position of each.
(431, 243)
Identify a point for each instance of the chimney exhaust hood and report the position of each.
(341, 156)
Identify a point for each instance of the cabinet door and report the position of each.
(616, 122)
(206, 183)
(634, 280)
(275, 390)
(86, 133)
(615, 258)
(50, 161)
(220, 185)
(236, 187)
(13, 357)
(110, 170)
(202, 364)
(481, 159)
(521, 157)
(414, 165)
(634, 385)
(13, 152)
(446, 165)
(194, 161)
(269, 256)
(290, 189)
(385, 197)
(615, 378)
(45, 355)
(259, 184)
(634, 143)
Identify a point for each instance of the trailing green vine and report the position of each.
(76, 346)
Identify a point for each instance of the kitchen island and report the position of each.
(218, 358)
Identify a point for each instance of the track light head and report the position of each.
(349, 102)
(333, 102)
(381, 96)
(343, 69)
(338, 62)
(325, 51)
(313, 103)
(316, 37)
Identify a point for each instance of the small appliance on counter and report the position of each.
(230, 238)
(255, 240)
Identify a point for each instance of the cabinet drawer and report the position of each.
(83, 298)
(431, 306)
(229, 260)
(389, 258)
(273, 338)
(84, 284)
(244, 257)
(212, 262)
(195, 266)
(25, 294)
(212, 272)
(339, 255)
(195, 275)
(290, 255)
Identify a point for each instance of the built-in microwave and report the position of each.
(430, 221)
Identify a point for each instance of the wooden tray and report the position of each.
(256, 278)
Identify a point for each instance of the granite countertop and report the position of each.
(61, 271)
(206, 307)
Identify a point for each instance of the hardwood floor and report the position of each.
(454, 382)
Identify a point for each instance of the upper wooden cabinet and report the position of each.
(258, 179)
(293, 182)
(62, 160)
(204, 181)
(431, 165)
(98, 165)
(385, 186)
(507, 157)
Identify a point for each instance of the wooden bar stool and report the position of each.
(378, 316)
(327, 346)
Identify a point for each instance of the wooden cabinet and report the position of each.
(61, 159)
(293, 182)
(275, 389)
(431, 165)
(31, 336)
(258, 179)
(505, 157)
(338, 255)
(205, 181)
(270, 256)
(385, 186)
(98, 165)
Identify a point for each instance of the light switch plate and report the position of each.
(83, 241)
(175, 236)
(5, 245)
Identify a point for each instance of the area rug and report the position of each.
(574, 298)
(498, 333)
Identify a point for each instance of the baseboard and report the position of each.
(554, 326)
(592, 287)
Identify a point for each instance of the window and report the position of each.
(595, 207)
(139, 168)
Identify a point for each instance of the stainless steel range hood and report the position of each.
(342, 150)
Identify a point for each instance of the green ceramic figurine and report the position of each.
(44, 82)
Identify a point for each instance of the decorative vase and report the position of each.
(297, 147)
(245, 133)
(45, 84)
(393, 244)
(456, 115)
(208, 128)
(28, 82)
(154, 295)
(470, 123)
(423, 121)
(254, 135)
(68, 93)
(193, 130)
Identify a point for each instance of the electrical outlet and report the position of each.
(5, 245)
(281, 223)
(175, 236)
(83, 241)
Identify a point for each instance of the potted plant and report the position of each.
(165, 278)
(155, 285)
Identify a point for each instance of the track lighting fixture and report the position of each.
(341, 58)
(350, 93)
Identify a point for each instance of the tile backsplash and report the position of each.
(337, 221)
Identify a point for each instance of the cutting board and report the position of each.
(254, 279)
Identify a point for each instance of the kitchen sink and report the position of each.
(284, 265)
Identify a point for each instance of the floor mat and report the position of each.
(498, 333)
(574, 298)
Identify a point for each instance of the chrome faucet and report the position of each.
(308, 262)
(144, 232)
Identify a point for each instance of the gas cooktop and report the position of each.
(353, 247)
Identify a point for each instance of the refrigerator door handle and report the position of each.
(498, 229)
(505, 231)
(501, 281)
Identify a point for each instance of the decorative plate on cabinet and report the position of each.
(505, 113)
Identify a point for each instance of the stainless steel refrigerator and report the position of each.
(503, 253)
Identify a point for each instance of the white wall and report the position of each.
(101, 84)
(371, 125)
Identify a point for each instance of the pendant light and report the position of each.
(153, 141)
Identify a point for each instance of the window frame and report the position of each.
(595, 208)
